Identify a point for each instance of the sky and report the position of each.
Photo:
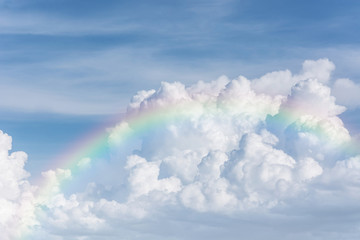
(127, 109)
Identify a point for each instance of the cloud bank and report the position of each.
(268, 157)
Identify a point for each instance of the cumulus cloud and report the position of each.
(16, 193)
(347, 92)
(281, 82)
(226, 157)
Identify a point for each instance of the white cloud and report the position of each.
(347, 92)
(144, 178)
(313, 98)
(214, 160)
(320, 69)
(71, 215)
(281, 82)
(16, 193)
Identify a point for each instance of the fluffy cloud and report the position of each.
(347, 92)
(226, 157)
(281, 82)
(16, 193)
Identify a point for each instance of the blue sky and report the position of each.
(69, 66)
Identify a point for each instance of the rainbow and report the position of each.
(137, 123)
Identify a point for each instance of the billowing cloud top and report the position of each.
(268, 157)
